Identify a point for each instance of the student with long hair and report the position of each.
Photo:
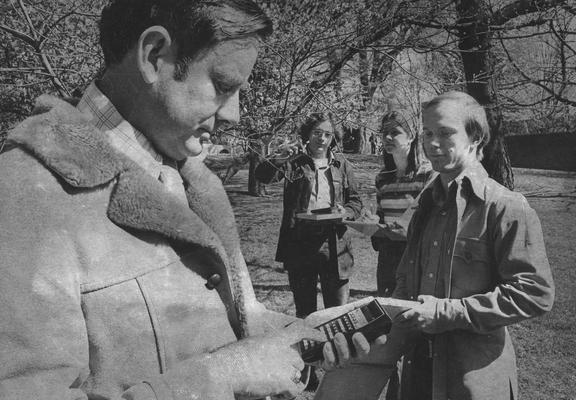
(397, 185)
(316, 178)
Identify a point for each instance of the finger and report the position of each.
(298, 330)
(292, 389)
(380, 340)
(424, 298)
(361, 344)
(298, 363)
(342, 348)
(329, 356)
(322, 316)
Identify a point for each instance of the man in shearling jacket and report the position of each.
(121, 274)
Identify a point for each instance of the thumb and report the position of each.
(406, 315)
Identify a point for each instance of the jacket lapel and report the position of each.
(140, 202)
(72, 148)
(208, 199)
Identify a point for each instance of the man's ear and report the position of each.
(474, 146)
(154, 48)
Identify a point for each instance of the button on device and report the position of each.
(435, 243)
(213, 281)
(430, 275)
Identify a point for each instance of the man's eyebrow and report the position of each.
(447, 129)
(228, 76)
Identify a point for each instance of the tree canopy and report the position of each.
(355, 58)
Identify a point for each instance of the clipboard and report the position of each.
(313, 217)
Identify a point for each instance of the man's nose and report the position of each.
(229, 112)
(432, 140)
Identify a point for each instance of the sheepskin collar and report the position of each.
(62, 138)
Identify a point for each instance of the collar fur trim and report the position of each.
(64, 140)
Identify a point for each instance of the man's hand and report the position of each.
(261, 366)
(395, 232)
(287, 150)
(422, 317)
(347, 214)
(339, 353)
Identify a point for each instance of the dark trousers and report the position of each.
(421, 371)
(303, 278)
(389, 255)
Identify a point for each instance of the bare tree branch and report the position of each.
(536, 82)
(20, 35)
(35, 42)
(46, 32)
(523, 7)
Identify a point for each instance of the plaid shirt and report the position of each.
(119, 132)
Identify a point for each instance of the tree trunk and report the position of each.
(255, 187)
(475, 43)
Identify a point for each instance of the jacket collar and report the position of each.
(472, 181)
(62, 138)
(67, 144)
(333, 161)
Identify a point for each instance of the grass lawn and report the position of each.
(546, 347)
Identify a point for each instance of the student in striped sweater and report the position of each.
(397, 185)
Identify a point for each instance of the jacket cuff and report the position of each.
(451, 314)
(192, 379)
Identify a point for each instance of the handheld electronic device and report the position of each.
(370, 319)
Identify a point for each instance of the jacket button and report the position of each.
(213, 281)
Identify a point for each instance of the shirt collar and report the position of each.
(472, 178)
(332, 160)
(120, 133)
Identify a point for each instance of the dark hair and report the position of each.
(394, 119)
(314, 120)
(195, 25)
(475, 120)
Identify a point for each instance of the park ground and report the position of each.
(545, 347)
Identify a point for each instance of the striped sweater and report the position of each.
(395, 195)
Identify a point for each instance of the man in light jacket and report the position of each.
(121, 274)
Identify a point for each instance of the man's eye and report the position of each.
(225, 88)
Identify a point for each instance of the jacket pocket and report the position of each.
(471, 271)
